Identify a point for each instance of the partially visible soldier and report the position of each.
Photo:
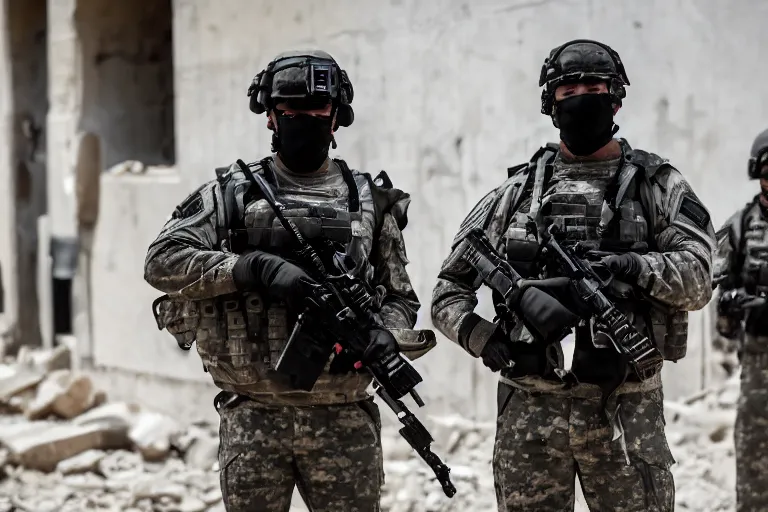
(656, 239)
(223, 261)
(741, 272)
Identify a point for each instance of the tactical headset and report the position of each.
(323, 80)
(758, 156)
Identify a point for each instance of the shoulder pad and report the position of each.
(382, 180)
(234, 186)
(649, 162)
(736, 223)
(386, 198)
(732, 226)
(511, 171)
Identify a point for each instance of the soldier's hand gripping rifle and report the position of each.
(545, 318)
(607, 322)
(733, 303)
(343, 312)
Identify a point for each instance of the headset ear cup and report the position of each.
(752, 169)
(255, 106)
(345, 115)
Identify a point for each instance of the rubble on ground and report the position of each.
(699, 431)
(64, 447)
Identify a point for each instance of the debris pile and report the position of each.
(699, 431)
(64, 448)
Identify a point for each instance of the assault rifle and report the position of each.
(607, 322)
(342, 309)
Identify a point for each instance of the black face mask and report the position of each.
(586, 122)
(302, 141)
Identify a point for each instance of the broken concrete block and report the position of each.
(49, 389)
(203, 453)
(117, 413)
(20, 402)
(60, 358)
(63, 394)
(22, 380)
(43, 448)
(154, 488)
(85, 482)
(151, 435)
(121, 466)
(192, 504)
(78, 398)
(85, 462)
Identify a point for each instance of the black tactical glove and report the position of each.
(498, 352)
(545, 316)
(625, 266)
(274, 276)
(382, 343)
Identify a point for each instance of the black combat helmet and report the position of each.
(581, 60)
(305, 79)
(758, 157)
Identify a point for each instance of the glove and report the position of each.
(275, 276)
(546, 317)
(627, 265)
(382, 343)
(497, 353)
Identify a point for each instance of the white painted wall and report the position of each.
(446, 99)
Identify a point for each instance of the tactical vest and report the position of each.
(754, 250)
(753, 256)
(609, 213)
(241, 336)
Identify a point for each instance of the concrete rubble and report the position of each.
(64, 447)
(699, 431)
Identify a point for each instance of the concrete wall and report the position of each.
(7, 177)
(128, 78)
(27, 74)
(446, 98)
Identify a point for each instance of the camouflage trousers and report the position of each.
(331, 452)
(544, 440)
(751, 435)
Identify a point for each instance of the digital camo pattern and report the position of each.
(680, 273)
(545, 436)
(398, 310)
(543, 440)
(185, 259)
(741, 254)
(751, 433)
(240, 336)
(332, 453)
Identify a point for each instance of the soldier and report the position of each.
(741, 272)
(223, 261)
(641, 218)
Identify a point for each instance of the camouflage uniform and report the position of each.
(742, 261)
(272, 436)
(551, 428)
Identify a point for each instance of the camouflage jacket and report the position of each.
(192, 260)
(676, 272)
